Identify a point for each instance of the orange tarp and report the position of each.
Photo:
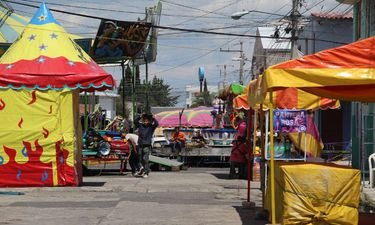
(345, 73)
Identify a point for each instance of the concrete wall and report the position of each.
(323, 33)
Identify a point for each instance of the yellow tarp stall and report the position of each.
(40, 138)
(315, 194)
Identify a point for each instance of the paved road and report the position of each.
(196, 196)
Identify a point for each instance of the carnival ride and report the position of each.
(105, 147)
(207, 141)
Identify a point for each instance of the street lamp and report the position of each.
(238, 15)
(201, 76)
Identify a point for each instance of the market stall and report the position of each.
(41, 75)
(345, 73)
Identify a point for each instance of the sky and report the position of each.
(180, 54)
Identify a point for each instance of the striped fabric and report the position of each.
(11, 25)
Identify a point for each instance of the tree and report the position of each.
(204, 99)
(159, 94)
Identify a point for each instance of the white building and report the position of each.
(272, 46)
(191, 92)
(106, 100)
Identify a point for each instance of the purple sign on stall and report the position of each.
(287, 121)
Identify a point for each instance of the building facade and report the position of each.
(363, 119)
(326, 30)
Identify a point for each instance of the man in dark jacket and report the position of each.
(146, 126)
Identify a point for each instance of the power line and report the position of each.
(230, 3)
(171, 28)
(190, 7)
(123, 11)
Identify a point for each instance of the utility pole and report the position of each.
(225, 73)
(241, 59)
(242, 62)
(295, 15)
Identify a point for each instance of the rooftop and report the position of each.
(274, 43)
(333, 15)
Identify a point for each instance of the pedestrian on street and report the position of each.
(134, 159)
(146, 126)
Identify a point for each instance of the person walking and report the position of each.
(146, 126)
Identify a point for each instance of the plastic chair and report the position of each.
(371, 166)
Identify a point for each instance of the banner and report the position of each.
(117, 39)
(286, 121)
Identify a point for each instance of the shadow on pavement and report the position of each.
(223, 176)
(102, 172)
(93, 184)
(249, 215)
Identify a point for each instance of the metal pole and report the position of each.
(225, 76)
(92, 101)
(123, 87)
(249, 125)
(262, 151)
(86, 115)
(133, 92)
(147, 100)
(294, 16)
(272, 167)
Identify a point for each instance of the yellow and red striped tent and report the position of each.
(345, 73)
(287, 98)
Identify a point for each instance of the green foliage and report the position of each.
(159, 94)
(204, 99)
(153, 93)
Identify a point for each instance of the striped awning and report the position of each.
(11, 25)
(289, 98)
(346, 73)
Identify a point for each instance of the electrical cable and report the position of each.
(225, 6)
(190, 7)
(168, 27)
(122, 11)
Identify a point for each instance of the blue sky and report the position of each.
(180, 54)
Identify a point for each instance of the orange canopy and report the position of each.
(345, 73)
(240, 102)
